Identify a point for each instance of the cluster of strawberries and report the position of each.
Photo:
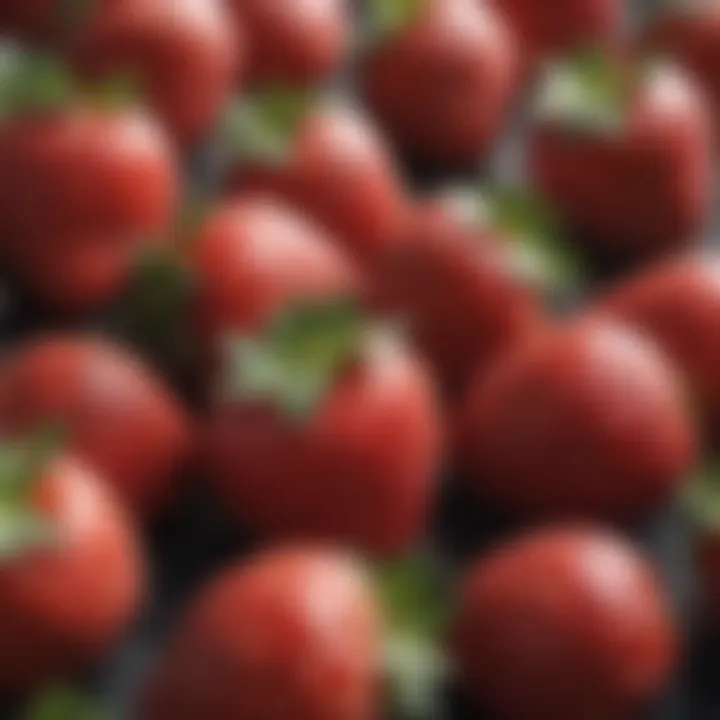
(316, 346)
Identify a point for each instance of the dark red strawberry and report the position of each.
(441, 77)
(293, 42)
(587, 419)
(623, 154)
(564, 623)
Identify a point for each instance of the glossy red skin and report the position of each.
(563, 624)
(677, 304)
(359, 471)
(339, 172)
(79, 192)
(186, 54)
(293, 42)
(642, 191)
(587, 420)
(456, 287)
(293, 633)
(442, 87)
(62, 608)
(555, 27)
(120, 418)
(252, 257)
(691, 38)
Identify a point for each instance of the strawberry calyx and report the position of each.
(415, 665)
(385, 19)
(37, 83)
(701, 499)
(586, 92)
(23, 528)
(538, 253)
(262, 127)
(294, 362)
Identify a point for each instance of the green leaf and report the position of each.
(539, 253)
(153, 312)
(587, 92)
(23, 461)
(413, 595)
(263, 127)
(24, 531)
(416, 672)
(115, 91)
(297, 359)
(415, 602)
(34, 82)
(64, 703)
(388, 17)
(701, 497)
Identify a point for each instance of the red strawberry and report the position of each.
(690, 35)
(328, 162)
(559, 26)
(119, 417)
(456, 283)
(584, 420)
(290, 633)
(677, 304)
(81, 188)
(293, 42)
(183, 53)
(253, 256)
(316, 397)
(441, 79)
(623, 155)
(71, 575)
(563, 624)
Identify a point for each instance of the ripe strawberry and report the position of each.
(441, 79)
(623, 154)
(564, 623)
(328, 162)
(318, 395)
(584, 420)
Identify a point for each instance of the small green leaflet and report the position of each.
(539, 253)
(115, 91)
(416, 609)
(263, 127)
(297, 358)
(33, 82)
(413, 595)
(416, 670)
(152, 313)
(388, 17)
(64, 703)
(23, 531)
(586, 92)
(701, 498)
(22, 462)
